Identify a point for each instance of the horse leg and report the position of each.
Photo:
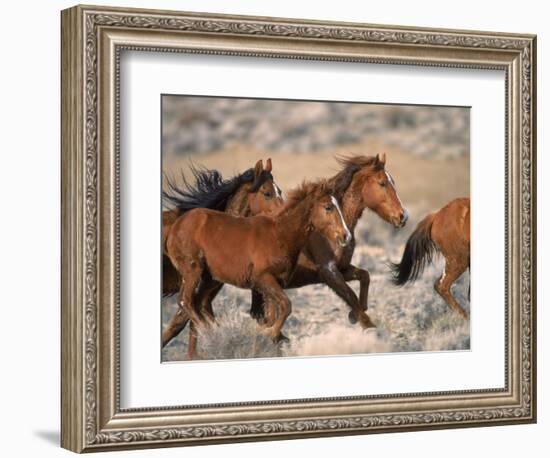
(257, 307)
(302, 276)
(453, 269)
(176, 324)
(335, 280)
(205, 296)
(192, 344)
(171, 280)
(207, 293)
(355, 273)
(274, 297)
(270, 312)
(192, 271)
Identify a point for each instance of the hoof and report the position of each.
(369, 325)
(281, 338)
(366, 323)
(352, 318)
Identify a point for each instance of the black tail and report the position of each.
(418, 253)
(210, 190)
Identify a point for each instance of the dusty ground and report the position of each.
(411, 318)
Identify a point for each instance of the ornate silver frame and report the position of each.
(92, 39)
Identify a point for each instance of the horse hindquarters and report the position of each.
(451, 235)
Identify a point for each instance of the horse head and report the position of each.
(264, 196)
(376, 188)
(326, 217)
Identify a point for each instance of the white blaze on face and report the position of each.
(348, 233)
(278, 192)
(390, 179)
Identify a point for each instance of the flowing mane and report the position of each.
(308, 189)
(210, 190)
(359, 161)
(336, 185)
(351, 164)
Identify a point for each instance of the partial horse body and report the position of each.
(250, 193)
(446, 231)
(210, 248)
(362, 183)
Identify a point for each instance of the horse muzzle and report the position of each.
(342, 242)
(401, 221)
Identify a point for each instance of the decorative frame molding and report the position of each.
(92, 39)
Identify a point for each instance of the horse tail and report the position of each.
(418, 253)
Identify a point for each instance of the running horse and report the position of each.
(362, 183)
(249, 193)
(446, 231)
(210, 248)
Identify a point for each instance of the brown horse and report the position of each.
(250, 193)
(448, 232)
(210, 248)
(362, 183)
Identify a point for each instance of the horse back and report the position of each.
(235, 249)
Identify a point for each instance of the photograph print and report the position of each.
(298, 228)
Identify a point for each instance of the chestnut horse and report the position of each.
(446, 231)
(210, 248)
(249, 193)
(362, 183)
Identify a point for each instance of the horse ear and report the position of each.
(268, 166)
(258, 168)
(381, 159)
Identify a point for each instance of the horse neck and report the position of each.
(237, 204)
(293, 224)
(352, 204)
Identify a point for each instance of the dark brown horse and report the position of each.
(448, 232)
(210, 248)
(250, 193)
(362, 183)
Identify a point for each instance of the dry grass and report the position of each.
(411, 318)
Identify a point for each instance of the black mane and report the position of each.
(210, 190)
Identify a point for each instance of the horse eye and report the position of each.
(383, 184)
(328, 208)
(267, 195)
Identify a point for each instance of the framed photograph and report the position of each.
(278, 228)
